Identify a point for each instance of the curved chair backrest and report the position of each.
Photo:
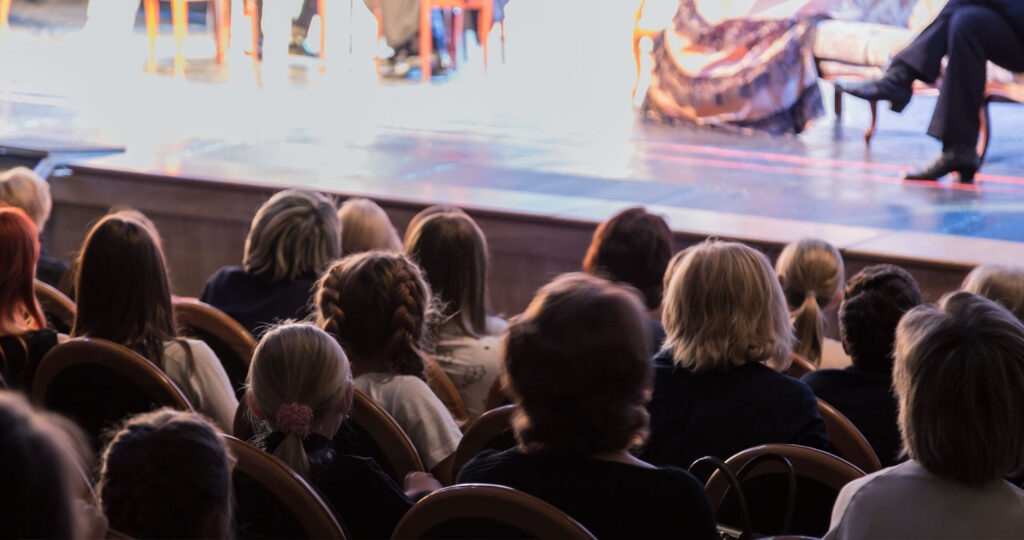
(445, 390)
(97, 383)
(492, 430)
(230, 341)
(847, 441)
(273, 501)
(819, 477)
(58, 308)
(800, 366)
(497, 396)
(371, 432)
(487, 511)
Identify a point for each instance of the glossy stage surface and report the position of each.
(550, 131)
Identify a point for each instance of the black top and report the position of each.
(257, 303)
(610, 499)
(867, 399)
(724, 412)
(50, 270)
(366, 501)
(20, 356)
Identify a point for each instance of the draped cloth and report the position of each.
(739, 64)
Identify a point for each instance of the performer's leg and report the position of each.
(924, 55)
(300, 28)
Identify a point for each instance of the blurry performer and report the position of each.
(969, 33)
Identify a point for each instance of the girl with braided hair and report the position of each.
(377, 305)
(299, 391)
(811, 274)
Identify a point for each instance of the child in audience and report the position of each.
(123, 295)
(959, 375)
(452, 252)
(811, 273)
(366, 227)
(717, 385)
(873, 302)
(634, 247)
(300, 386)
(1002, 284)
(378, 306)
(38, 473)
(578, 366)
(24, 337)
(167, 474)
(22, 188)
(294, 236)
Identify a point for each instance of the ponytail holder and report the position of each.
(294, 418)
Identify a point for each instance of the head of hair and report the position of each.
(167, 474)
(632, 247)
(366, 227)
(424, 214)
(377, 304)
(724, 308)
(1002, 284)
(22, 188)
(578, 364)
(811, 274)
(296, 363)
(874, 301)
(294, 234)
(959, 377)
(122, 291)
(19, 251)
(37, 468)
(452, 252)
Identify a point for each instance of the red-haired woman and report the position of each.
(24, 338)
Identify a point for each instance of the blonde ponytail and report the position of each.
(811, 273)
(809, 323)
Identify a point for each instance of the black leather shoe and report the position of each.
(962, 160)
(896, 87)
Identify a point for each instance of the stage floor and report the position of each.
(551, 131)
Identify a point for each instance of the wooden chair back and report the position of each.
(97, 383)
(57, 307)
(445, 390)
(371, 432)
(273, 501)
(800, 367)
(230, 341)
(847, 441)
(819, 477)
(487, 511)
(492, 430)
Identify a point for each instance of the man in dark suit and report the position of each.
(969, 33)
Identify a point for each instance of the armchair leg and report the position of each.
(874, 121)
(837, 101)
(985, 133)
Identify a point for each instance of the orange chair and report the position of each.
(383, 438)
(638, 35)
(445, 390)
(5, 10)
(179, 11)
(800, 366)
(492, 429)
(232, 343)
(484, 21)
(848, 442)
(58, 308)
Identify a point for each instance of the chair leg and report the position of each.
(874, 121)
(254, 20)
(837, 100)
(5, 11)
(380, 31)
(220, 10)
(502, 41)
(426, 35)
(484, 23)
(985, 133)
(449, 31)
(458, 35)
(636, 56)
(179, 18)
(321, 9)
(152, 10)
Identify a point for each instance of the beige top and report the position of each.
(207, 388)
(471, 363)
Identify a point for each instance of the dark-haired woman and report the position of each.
(578, 366)
(123, 295)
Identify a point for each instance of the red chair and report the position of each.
(220, 12)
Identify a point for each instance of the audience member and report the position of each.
(579, 368)
(959, 375)
(634, 247)
(365, 227)
(294, 236)
(167, 474)
(452, 252)
(300, 386)
(22, 188)
(424, 214)
(24, 337)
(811, 273)
(874, 301)
(37, 468)
(1002, 284)
(717, 385)
(123, 295)
(379, 308)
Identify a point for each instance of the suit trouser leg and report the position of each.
(976, 35)
(924, 55)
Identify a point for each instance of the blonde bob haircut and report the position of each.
(22, 188)
(1002, 284)
(959, 377)
(294, 234)
(724, 308)
(366, 227)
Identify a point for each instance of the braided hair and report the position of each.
(377, 303)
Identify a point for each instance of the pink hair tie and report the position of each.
(294, 418)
